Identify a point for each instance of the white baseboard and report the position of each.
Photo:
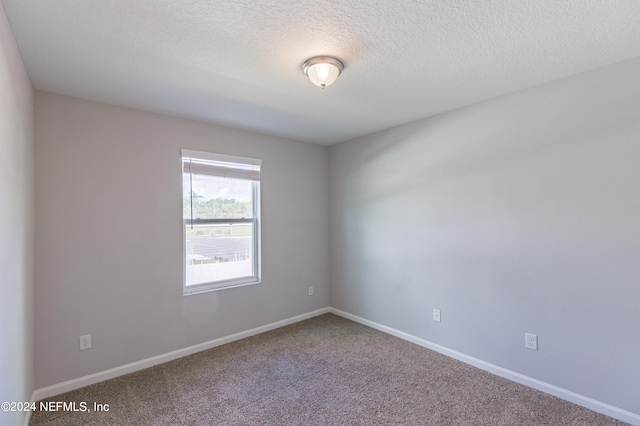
(567, 395)
(80, 382)
(592, 404)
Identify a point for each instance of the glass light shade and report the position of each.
(323, 71)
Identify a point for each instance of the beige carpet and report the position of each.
(323, 371)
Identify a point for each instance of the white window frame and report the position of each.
(232, 167)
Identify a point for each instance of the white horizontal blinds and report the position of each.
(230, 166)
(196, 167)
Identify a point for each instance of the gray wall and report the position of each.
(521, 214)
(109, 236)
(16, 226)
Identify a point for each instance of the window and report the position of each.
(221, 215)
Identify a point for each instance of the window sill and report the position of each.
(204, 288)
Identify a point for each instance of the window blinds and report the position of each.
(230, 166)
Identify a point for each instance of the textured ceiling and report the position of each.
(238, 63)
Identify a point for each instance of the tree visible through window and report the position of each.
(220, 209)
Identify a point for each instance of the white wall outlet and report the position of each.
(85, 342)
(436, 315)
(531, 341)
(310, 290)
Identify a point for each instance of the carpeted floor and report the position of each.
(323, 371)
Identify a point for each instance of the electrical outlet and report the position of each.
(310, 290)
(436, 315)
(531, 341)
(85, 342)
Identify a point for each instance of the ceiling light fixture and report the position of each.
(322, 70)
